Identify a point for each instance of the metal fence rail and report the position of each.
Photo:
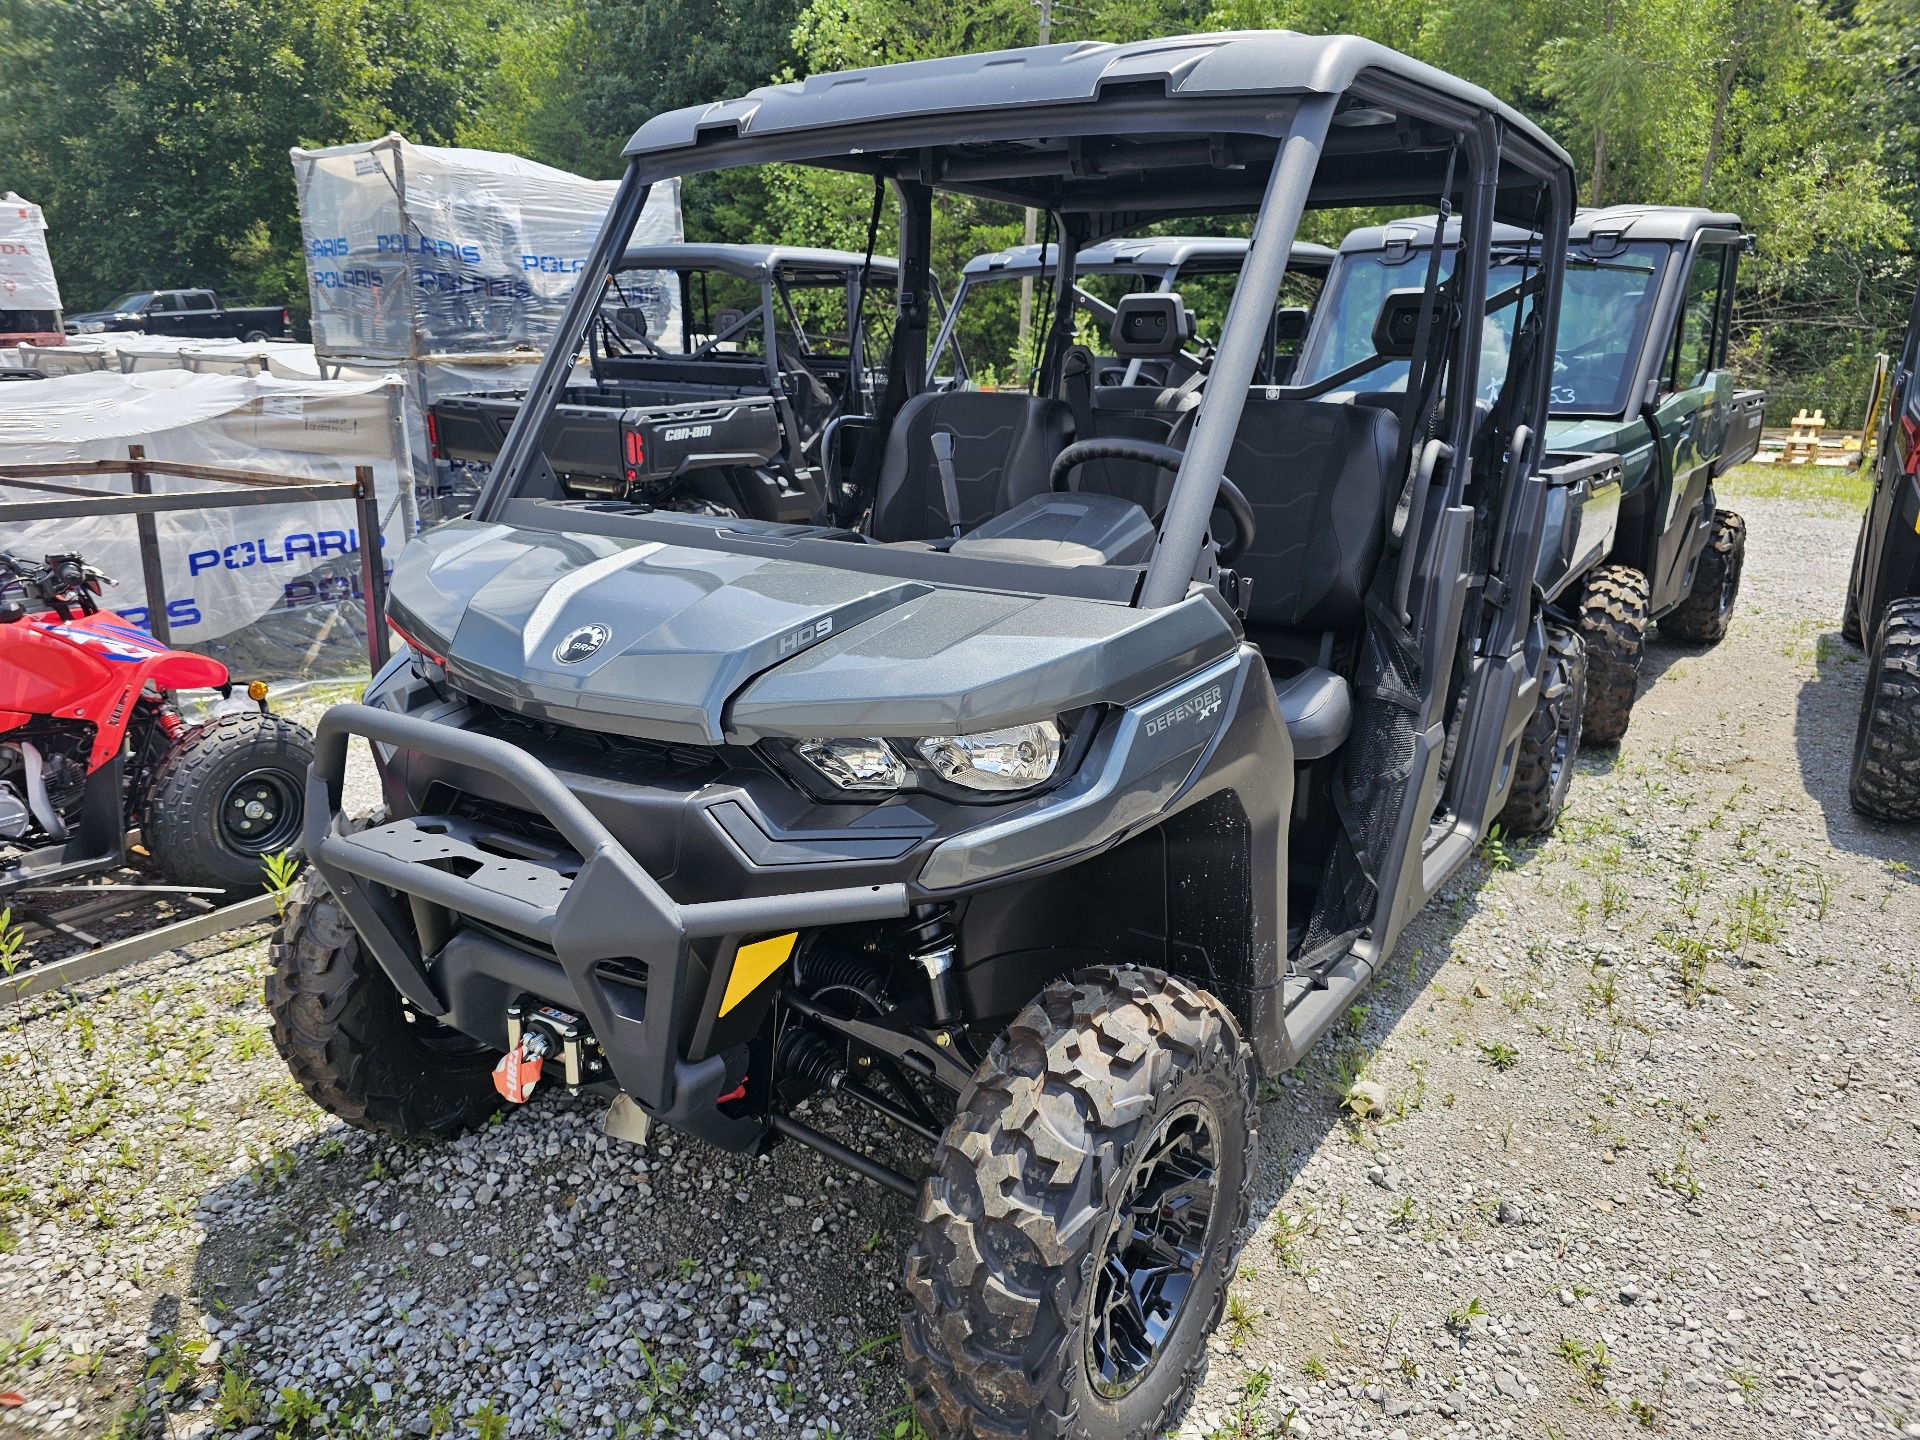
(242, 488)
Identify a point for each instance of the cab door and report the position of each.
(166, 314)
(1691, 414)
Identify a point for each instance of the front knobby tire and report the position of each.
(225, 796)
(1543, 768)
(339, 1025)
(1886, 750)
(1107, 1138)
(1701, 618)
(1613, 616)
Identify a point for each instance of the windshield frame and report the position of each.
(908, 150)
(1507, 255)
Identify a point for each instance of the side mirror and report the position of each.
(1290, 324)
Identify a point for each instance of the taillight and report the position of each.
(433, 437)
(636, 453)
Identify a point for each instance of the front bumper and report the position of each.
(585, 926)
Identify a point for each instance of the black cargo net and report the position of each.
(1369, 789)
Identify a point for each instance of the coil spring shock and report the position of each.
(934, 945)
(805, 1056)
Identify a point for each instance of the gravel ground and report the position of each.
(1626, 1139)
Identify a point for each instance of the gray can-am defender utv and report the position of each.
(1202, 270)
(1036, 818)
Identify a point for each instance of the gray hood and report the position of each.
(658, 640)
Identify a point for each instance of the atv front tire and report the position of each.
(226, 795)
(1701, 618)
(339, 1025)
(1886, 750)
(1090, 1193)
(1613, 622)
(1543, 769)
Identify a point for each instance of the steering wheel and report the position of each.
(1167, 458)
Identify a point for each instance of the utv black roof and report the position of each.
(1648, 222)
(1205, 254)
(751, 262)
(959, 112)
(1679, 223)
(1416, 233)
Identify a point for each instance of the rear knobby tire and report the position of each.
(1613, 617)
(1886, 750)
(1701, 618)
(1543, 768)
(225, 765)
(1087, 1112)
(339, 1025)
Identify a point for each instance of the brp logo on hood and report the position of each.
(579, 644)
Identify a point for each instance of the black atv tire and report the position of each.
(1543, 769)
(196, 821)
(1701, 618)
(1613, 616)
(1105, 1093)
(1886, 750)
(1850, 630)
(338, 1023)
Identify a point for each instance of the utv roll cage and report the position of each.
(1107, 139)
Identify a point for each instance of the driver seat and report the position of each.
(1003, 448)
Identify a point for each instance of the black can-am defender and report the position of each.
(715, 373)
(1641, 370)
(1883, 604)
(1037, 817)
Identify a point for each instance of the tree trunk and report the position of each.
(1599, 161)
(1722, 96)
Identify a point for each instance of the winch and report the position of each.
(539, 1033)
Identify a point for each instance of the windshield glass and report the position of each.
(135, 301)
(1604, 310)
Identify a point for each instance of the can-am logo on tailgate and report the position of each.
(1193, 707)
(686, 432)
(581, 643)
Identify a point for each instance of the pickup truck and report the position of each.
(193, 314)
(714, 375)
(1640, 370)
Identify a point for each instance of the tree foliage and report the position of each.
(155, 131)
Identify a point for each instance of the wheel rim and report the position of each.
(1155, 1251)
(259, 813)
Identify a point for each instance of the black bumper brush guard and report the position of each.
(620, 946)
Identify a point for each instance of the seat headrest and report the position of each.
(1150, 325)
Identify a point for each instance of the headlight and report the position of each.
(89, 327)
(999, 761)
(1016, 758)
(864, 763)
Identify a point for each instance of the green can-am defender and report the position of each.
(1640, 369)
(1037, 819)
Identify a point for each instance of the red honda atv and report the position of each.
(92, 747)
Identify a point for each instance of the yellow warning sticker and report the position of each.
(753, 963)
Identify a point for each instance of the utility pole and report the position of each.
(1033, 216)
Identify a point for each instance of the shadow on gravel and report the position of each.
(1826, 718)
